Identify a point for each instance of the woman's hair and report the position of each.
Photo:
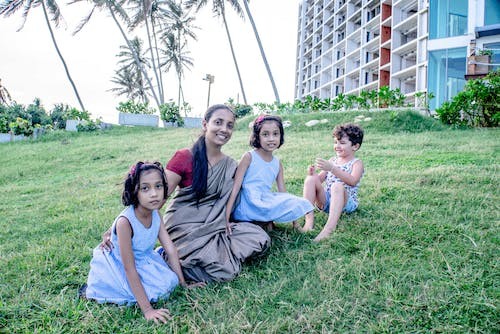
(257, 126)
(133, 178)
(353, 131)
(199, 151)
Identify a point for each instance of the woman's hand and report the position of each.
(228, 228)
(161, 314)
(106, 243)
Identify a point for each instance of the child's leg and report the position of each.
(314, 193)
(337, 202)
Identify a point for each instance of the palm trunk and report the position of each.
(160, 83)
(155, 70)
(136, 57)
(61, 57)
(245, 2)
(234, 57)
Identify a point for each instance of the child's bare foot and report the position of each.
(309, 224)
(307, 227)
(325, 233)
(269, 227)
(298, 227)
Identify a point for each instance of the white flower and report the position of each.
(287, 124)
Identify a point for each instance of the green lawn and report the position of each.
(420, 255)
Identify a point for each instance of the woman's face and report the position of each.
(219, 128)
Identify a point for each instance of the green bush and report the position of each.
(240, 110)
(132, 107)
(169, 112)
(21, 126)
(88, 126)
(478, 105)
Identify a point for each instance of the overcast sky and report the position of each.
(30, 67)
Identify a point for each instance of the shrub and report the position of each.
(21, 126)
(88, 126)
(169, 112)
(240, 110)
(132, 107)
(477, 105)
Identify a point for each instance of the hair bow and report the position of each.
(132, 170)
(259, 119)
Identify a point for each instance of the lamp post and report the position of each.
(210, 78)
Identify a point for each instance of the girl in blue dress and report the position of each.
(255, 176)
(131, 271)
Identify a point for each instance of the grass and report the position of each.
(420, 255)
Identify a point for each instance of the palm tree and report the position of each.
(218, 8)
(9, 7)
(4, 95)
(143, 13)
(114, 7)
(129, 84)
(250, 17)
(174, 55)
(129, 76)
(175, 37)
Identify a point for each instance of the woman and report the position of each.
(195, 218)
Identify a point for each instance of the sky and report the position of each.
(30, 67)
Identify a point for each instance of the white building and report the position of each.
(346, 46)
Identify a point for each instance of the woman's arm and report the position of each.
(238, 181)
(173, 180)
(280, 180)
(124, 233)
(173, 256)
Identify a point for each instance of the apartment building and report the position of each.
(346, 46)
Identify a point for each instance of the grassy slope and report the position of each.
(421, 254)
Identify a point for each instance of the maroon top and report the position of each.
(182, 164)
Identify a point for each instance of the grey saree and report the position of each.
(198, 230)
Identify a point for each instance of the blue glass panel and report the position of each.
(446, 74)
(491, 12)
(447, 18)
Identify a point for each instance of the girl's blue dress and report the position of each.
(107, 281)
(257, 201)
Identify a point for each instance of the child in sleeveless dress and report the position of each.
(255, 175)
(131, 271)
(341, 175)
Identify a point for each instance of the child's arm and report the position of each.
(311, 170)
(350, 179)
(173, 256)
(280, 180)
(124, 232)
(238, 180)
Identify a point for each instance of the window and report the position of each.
(495, 59)
(491, 12)
(448, 18)
(446, 74)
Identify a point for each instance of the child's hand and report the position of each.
(161, 314)
(310, 170)
(194, 285)
(106, 243)
(324, 164)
